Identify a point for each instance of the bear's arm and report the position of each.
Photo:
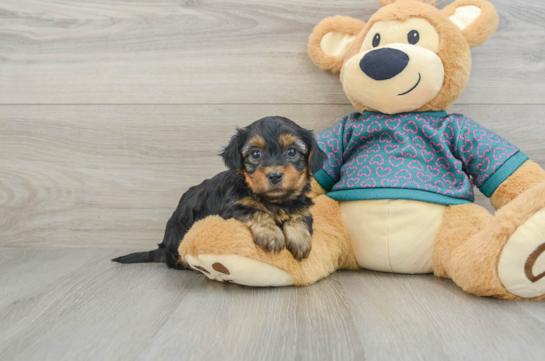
(331, 142)
(527, 176)
(492, 161)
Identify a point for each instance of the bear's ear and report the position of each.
(477, 19)
(330, 40)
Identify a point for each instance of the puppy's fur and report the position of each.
(270, 165)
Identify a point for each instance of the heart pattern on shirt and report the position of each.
(430, 152)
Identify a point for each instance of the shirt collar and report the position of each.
(437, 114)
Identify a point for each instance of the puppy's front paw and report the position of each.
(266, 233)
(269, 238)
(298, 239)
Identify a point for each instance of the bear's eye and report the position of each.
(376, 40)
(413, 37)
(256, 154)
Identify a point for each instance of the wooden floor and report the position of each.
(74, 304)
(110, 110)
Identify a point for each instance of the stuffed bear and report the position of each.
(396, 193)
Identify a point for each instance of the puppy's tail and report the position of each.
(157, 255)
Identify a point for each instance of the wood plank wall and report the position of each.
(110, 110)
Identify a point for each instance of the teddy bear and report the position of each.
(396, 191)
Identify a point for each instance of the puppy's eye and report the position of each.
(256, 154)
(413, 37)
(376, 40)
(292, 152)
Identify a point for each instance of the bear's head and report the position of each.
(410, 56)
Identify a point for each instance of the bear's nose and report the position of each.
(275, 177)
(384, 63)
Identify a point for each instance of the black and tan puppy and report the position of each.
(270, 166)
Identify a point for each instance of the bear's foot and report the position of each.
(240, 270)
(521, 268)
(501, 256)
(224, 250)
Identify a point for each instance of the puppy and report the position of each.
(270, 166)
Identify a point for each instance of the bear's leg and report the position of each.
(502, 256)
(224, 250)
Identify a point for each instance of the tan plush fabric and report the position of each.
(465, 16)
(527, 176)
(393, 235)
(242, 270)
(422, 78)
(521, 267)
(459, 224)
(454, 45)
(453, 49)
(469, 244)
(331, 248)
(335, 44)
(483, 27)
(337, 24)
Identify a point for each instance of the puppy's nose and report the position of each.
(384, 63)
(275, 177)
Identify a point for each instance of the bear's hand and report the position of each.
(224, 250)
(527, 176)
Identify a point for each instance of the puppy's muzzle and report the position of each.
(384, 63)
(275, 177)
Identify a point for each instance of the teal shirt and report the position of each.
(431, 157)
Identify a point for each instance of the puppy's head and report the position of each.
(276, 157)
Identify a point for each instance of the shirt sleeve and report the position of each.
(487, 158)
(330, 140)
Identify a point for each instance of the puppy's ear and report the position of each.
(231, 154)
(316, 157)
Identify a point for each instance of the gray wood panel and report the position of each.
(110, 176)
(428, 318)
(138, 99)
(29, 270)
(106, 311)
(235, 51)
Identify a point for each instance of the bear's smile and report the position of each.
(414, 87)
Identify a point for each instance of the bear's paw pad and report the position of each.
(522, 262)
(239, 269)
